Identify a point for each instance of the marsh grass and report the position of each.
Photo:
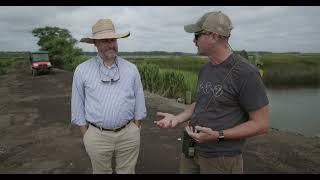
(291, 70)
(280, 70)
(166, 82)
(7, 62)
(172, 76)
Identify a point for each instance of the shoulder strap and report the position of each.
(213, 94)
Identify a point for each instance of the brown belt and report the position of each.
(114, 130)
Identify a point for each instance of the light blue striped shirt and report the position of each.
(106, 104)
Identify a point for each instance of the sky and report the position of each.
(160, 28)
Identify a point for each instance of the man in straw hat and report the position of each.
(108, 103)
(231, 103)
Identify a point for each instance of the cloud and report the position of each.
(270, 28)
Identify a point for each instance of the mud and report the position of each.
(36, 135)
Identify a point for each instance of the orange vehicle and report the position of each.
(40, 63)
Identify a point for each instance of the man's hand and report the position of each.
(138, 123)
(83, 129)
(169, 120)
(202, 134)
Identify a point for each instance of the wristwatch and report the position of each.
(221, 136)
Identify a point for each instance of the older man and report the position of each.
(231, 103)
(108, 103)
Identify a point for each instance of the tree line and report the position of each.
(64, 54)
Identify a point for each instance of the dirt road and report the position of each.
(36, 135)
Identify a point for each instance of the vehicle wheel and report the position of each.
(34, 72)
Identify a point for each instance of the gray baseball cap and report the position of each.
(214, 21)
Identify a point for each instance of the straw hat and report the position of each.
(104, 29)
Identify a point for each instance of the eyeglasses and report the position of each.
(198, 34)
(105, 78)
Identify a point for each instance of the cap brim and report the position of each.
(90, 40)
(192, 28)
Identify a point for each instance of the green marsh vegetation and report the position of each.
(8, 59)
(291, 69)
(172, 74)
(280, 70)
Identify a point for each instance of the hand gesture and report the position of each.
(202, 134)
(169, 120)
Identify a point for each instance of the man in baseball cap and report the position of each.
(212, 22)
(231, 103)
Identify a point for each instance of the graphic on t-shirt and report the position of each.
(208, 88)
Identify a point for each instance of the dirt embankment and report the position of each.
(36, 135)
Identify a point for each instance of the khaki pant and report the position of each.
(215, 165)
(124, 144)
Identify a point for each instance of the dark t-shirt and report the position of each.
(225, 94)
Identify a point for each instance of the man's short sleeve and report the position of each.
(253, 93)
